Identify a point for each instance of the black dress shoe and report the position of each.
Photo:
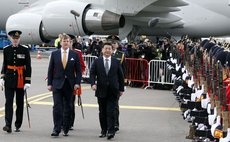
(110, 136)
(55, 134)
(102, 136)
(17, 130)
(7, 129)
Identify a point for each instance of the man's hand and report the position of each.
(121, 93)
(49, 87)
(94, 87)
(26, 86)
(76, 86)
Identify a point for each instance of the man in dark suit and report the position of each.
(16, 73)
(64, 76)
(108, 74)
(120, 56)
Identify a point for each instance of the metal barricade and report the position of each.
(136, 70)
(88, 60)
(158, 73)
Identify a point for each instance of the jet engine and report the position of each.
(30, 24)
(71, 17)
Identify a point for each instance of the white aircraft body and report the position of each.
(42, 20)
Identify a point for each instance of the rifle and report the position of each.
(195, 68)
(212, 100)
(27, 108)
(225, 112)
(219, 87)
(206, 76)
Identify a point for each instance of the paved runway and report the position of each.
(145, 115)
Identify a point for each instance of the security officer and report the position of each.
(15, 77)
(119, 55)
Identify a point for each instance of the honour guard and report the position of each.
(15, 78)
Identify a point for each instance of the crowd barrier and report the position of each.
(139, 70)
(158, 73)
(88, 60)
(136, 70)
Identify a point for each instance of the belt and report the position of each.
(20, 75)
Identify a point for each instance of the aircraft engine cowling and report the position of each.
(63, 16)
(31, 26)
(78, 18)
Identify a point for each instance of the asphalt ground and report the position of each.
(145, 115)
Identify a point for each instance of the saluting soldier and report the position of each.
(15, 77)
(119, 55)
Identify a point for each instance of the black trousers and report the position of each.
(106, 114)
(62, 107)
(72, 117)
(9, 95)
(117, 113)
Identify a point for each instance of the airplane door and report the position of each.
(24, 2)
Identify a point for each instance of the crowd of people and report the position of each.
(145, 48)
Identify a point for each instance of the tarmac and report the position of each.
(145, 115)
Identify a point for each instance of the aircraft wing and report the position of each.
(157, 15)
(45, 19)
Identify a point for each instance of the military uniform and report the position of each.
(119, 55)
(16, 71)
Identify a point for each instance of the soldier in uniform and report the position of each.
(79, 90)
(119, 55)
(15, 77)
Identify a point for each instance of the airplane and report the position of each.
(42, 20)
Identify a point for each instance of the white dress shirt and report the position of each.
(109, 61)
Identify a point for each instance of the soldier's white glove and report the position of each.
(190, 83)
(26, 86)
(2, 82)
(76, 86)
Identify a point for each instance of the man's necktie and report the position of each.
(107, 66)
(64, 59)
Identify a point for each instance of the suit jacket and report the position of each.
(57, 74)
(114, 81)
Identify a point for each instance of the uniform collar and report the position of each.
(114, 51)
(14, 46)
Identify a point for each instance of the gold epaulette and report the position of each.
(122, 58)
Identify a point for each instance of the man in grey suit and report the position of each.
(108, 74)
(64, 76)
